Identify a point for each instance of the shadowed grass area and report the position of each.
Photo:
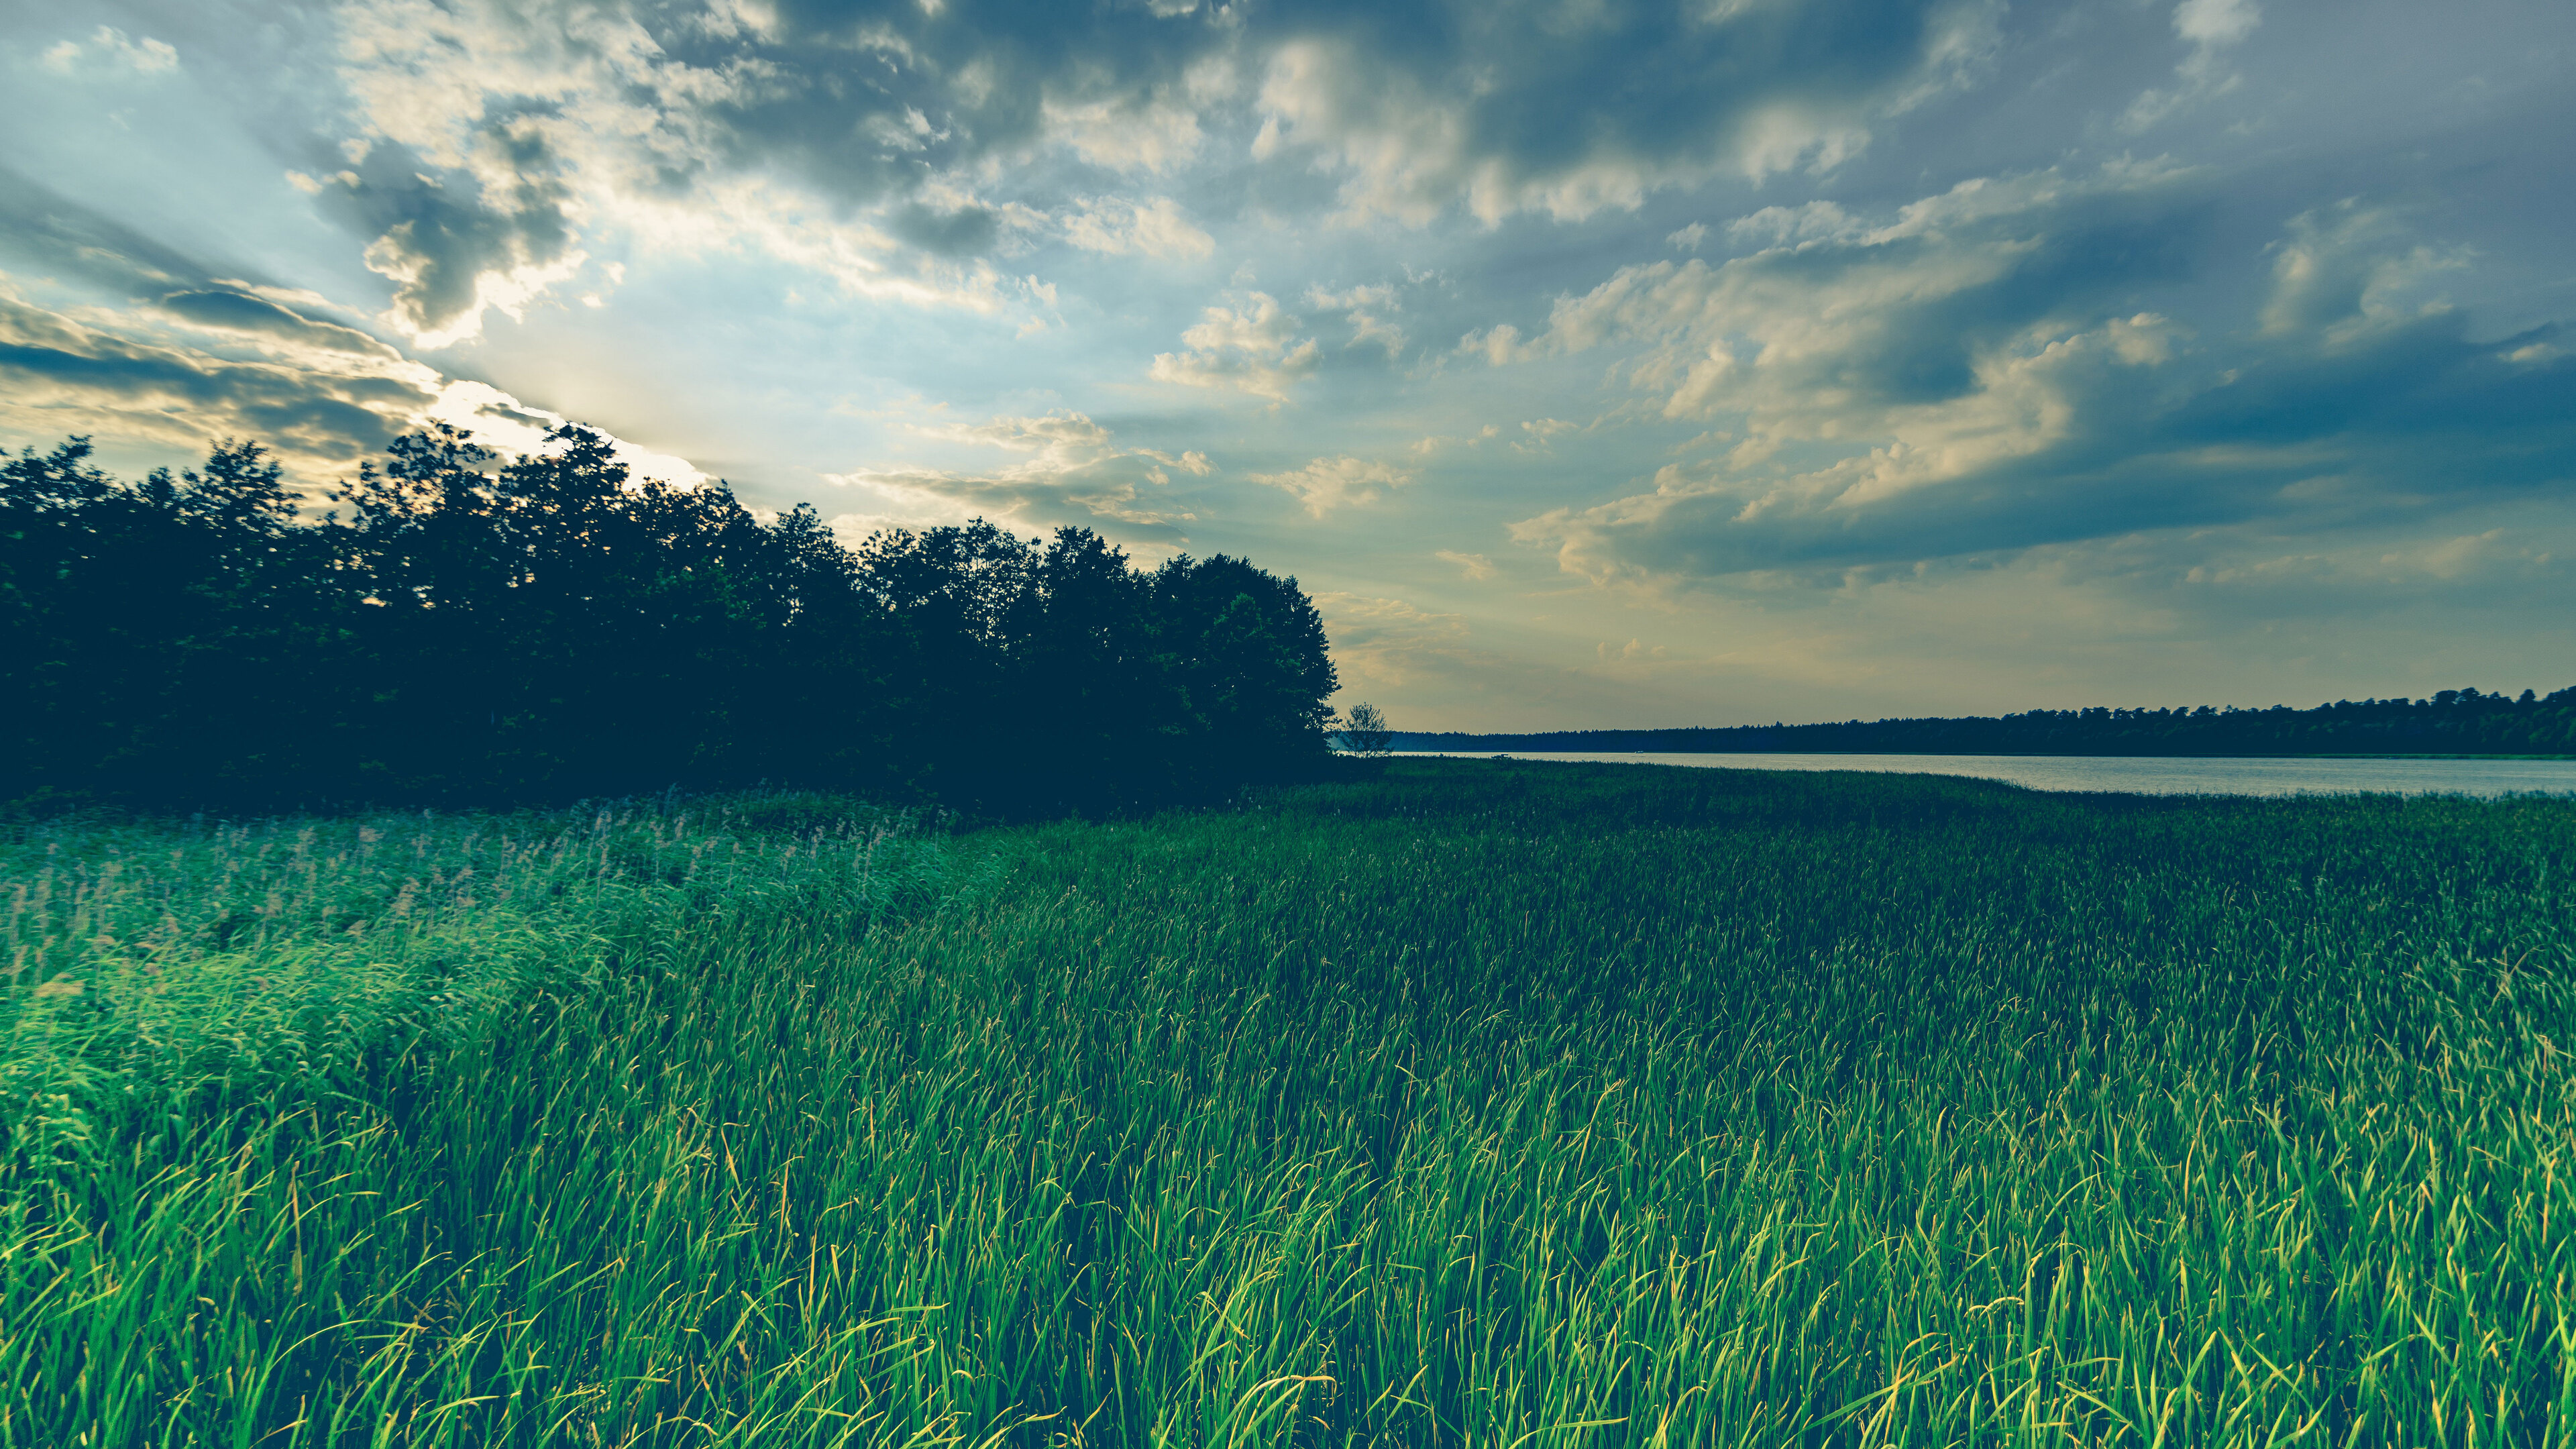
(1479, 1104)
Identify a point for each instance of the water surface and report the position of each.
(2153, 776)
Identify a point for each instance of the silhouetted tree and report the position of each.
(1364, 730)
(461, 629)
(173, 634)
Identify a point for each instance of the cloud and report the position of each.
(1571, 110)
(1437, 442)
(1071, 469)
(1248, 345)
(492, 146)
(1368, 309)
(2511, 557)
(2001, 420)
(1129, 133)
(321, 401)
(1539, 435)
(109, 51)
(1058, 438)
(1943, 329)
(1475, 566)
(187, 358)
(51, 234)
(495, 230)
(1966, 378)
(924, 497)
(240, 310)
(1497, 345)
(1780, 226)
(511, 427)
(177, 356)
(2210, 27)
(1632, 652)
(1329, 483)
(1153, 228)
(1387, 641)
(492, 136)
(861, 145)
(67, 375)
(2349, 270)
(2215, 23)
(1379, 297)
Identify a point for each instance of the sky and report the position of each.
(1590, 363)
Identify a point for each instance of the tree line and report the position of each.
(2452, 722)
(457, 630)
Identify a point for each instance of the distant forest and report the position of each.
(461, 631)
(2453, 722)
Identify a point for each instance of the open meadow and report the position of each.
(1470, 1104)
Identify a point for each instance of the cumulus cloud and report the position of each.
(1151, 134)
(108, 50)
(2210, 28)
(1571, 110)
(2350, 270)
(461, 224)
(1966, 376)
(1498, 344)
(493, 146)
(442, 289)
(1948, 332)
(492, 136)
(1329, 483)
(1248, 345)
(861, 146)
(482, 144)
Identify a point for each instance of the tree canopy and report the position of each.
(462, 630)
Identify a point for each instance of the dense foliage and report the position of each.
(551, 629)
(2453, 722)
(1566, 1107)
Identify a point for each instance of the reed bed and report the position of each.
(1481, 1104)
(160, 969)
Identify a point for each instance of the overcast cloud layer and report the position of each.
(1592, 363)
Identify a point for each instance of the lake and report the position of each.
(2156, 776)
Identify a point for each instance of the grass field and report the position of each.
(1482, 1104)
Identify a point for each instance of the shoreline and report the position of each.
(1985, 754)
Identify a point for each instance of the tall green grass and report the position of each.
(1485, 1104)
(157, 970)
